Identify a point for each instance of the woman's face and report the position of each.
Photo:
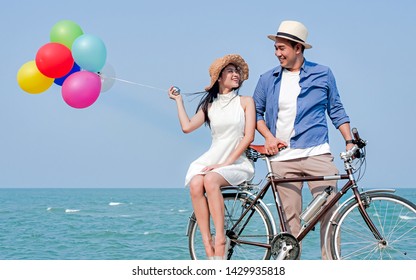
(229, 79)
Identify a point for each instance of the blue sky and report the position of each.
(131, 136)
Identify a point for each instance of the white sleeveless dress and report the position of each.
(227, 129)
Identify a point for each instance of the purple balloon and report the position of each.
(81, 89)
(60, 81)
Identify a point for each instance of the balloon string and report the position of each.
(133, 83)
(142, 85)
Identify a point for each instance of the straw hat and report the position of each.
(292, 30)
(220, 63)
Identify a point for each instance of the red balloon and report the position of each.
(54, 60)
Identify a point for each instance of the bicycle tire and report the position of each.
(393, 216)
(258, 229)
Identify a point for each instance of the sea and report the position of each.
(106, 224)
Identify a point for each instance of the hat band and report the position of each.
(290, 36)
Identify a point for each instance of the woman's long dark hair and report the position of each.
(207, 99)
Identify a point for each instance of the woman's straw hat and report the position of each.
(220, 63)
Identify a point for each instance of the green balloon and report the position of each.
(65, 32)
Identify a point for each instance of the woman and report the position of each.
(231, 119)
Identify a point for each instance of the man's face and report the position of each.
(286, 54)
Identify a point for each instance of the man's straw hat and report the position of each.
(292, 30)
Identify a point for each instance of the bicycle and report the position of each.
(372, 224)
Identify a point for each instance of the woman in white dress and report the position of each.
(232, 120)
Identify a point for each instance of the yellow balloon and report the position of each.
(31, 80)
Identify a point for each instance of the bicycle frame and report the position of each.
(372, 224)
(273, 182)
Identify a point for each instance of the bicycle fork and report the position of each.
(366, 217)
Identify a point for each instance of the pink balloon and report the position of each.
(81, 89)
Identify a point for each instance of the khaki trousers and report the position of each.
(291, 193)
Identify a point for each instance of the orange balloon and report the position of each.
(31, 80)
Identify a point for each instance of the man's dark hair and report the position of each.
(293, 44)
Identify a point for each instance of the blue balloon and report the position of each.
(60, 81)
(89, 52)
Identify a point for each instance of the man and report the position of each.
(291, 101)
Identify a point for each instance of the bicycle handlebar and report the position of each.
(355, 134)
(355, 152)
(258, 151)
(361, 143)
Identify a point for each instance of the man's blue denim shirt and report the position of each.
(318, 94)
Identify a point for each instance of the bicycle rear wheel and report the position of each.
(393, 216)
(256, 227)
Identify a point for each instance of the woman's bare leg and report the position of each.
(201, 210)
(213, 183)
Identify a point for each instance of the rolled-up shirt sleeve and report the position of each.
(259, 97)
(336, 111)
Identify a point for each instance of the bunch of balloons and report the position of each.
(71, 60)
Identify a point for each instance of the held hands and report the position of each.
(273, 145)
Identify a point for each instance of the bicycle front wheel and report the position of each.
(393, 216)
(255, 228)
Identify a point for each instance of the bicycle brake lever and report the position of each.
(357, 154)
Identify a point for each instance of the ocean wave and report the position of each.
(115, 203)
(55, 209)
(71, 210)
(66, 210)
